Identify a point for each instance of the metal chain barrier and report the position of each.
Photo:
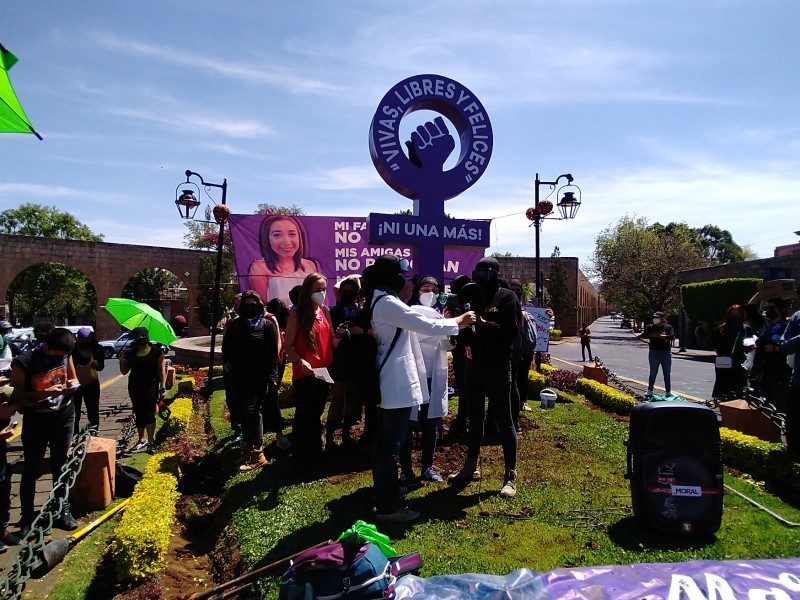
(126, 436)
(12, 583)
(748, 394)
(757, 402)
(614, 378)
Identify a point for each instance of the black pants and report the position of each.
(586, 346)
(230, 401)
(90, 395)
(523, 369)
(40, 430)
(5, 486)
(460, 421)
(144, 400)
(310, 395)
(250, 394)
(494, 382)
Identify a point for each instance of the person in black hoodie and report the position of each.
(488, 373)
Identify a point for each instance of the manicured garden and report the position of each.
(573, 506)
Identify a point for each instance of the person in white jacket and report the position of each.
(403, 379)
(425, 300)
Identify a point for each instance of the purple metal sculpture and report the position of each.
(418, 172)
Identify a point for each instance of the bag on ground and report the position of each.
(338, 570)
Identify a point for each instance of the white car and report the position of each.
(112, 348)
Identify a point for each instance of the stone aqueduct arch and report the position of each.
(107, 266)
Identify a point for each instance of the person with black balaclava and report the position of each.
(488, 374)
(401, 371)
(146, 384)
(250, 352)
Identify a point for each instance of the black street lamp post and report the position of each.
(187, 205)
(542, 209)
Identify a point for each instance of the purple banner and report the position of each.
(776, 579)
(276, 252)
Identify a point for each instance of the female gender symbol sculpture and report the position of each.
(420, 175)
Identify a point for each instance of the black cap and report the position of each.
(389, 264)
(488, 262)
(5, 325)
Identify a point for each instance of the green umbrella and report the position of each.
(12, 118)
(130, 313)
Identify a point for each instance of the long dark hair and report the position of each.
(270, 257)
(306, 310)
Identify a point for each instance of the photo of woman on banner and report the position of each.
(283, 244)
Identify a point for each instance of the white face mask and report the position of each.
(656, 321)
(428, 299)
(318, 298)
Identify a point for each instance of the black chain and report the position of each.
(624, 387)
(754, 400)
(126, 436)
(12, 582)
(748, 394)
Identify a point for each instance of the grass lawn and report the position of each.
(572, 506)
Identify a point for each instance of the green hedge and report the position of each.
(708, 300)
(141, 539)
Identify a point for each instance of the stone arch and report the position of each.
(107, 266)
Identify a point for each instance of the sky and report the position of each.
(673, 111)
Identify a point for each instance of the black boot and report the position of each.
(65, 520)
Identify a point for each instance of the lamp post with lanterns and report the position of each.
(187, 204)
(542, 209)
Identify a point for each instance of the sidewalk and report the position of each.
(115, 407)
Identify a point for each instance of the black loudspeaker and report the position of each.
(675, 467)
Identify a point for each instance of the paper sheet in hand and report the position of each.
(322, 373)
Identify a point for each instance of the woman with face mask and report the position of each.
(729, 346)
(146, 384)
(89, 359)
(310, 340)
(427, 418)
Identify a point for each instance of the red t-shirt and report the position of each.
(324, 355)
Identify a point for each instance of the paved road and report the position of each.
(625, 354)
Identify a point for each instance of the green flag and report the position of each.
(12, 118)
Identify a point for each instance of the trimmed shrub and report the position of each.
(185, 386)
(141, 539)
(285, 390)
(605, 396)
(555, 335)
(536, 383)
(708, 300)
(180, 415)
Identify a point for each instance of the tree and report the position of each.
(148, 284)
(638, 264)
(45, 221)
(719, 247)
(53, 289)
(561, 299)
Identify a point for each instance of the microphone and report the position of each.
(468, 307)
